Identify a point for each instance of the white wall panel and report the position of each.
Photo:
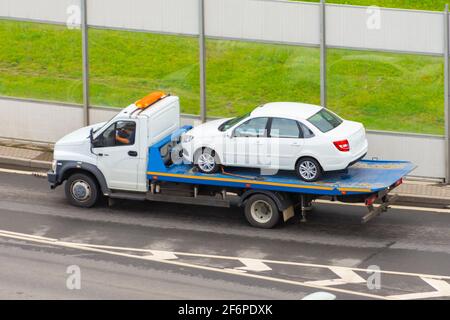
(38, 121)
(45, 10)
(255, 20)
(277, 21)
(171, 16)
(399, 30)
(427, 152)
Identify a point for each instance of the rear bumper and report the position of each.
(357, 160)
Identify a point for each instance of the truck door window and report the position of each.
(121, 133)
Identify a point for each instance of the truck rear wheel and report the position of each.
(81, 190)
(261, 211)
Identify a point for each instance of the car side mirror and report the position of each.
(229, 134)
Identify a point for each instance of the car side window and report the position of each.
(284, 128)
(307, 133)
(121, 133)
(256, 127)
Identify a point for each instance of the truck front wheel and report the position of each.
(81, 190)
(261, 211)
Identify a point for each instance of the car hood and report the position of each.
(77, 137)
(207, 129)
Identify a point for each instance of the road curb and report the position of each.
(425, 201)
(27, 163)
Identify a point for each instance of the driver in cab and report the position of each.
(126, 134)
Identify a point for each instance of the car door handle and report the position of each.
(103, 155)
(295, 144)
(132, 153)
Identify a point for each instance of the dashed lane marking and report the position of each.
(346, 276)
(253, 265)
(442, 290)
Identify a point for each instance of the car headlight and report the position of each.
(54, 164)
(187, 138)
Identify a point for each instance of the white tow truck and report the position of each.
(132, 157)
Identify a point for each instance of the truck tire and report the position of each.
(308, 169)
(261, 211)
(81, 190)
(207, 161)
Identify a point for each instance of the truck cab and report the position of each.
(115, 153)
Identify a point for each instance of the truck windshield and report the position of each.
(325, 121)
(229, 123)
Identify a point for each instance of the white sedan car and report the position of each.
(284, 136)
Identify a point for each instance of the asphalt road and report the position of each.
(143, 250)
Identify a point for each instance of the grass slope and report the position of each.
(385, 91)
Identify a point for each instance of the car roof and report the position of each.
(293, 110)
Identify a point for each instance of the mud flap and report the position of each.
(288, 213)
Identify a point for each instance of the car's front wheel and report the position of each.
(207, 161)
(308, 169)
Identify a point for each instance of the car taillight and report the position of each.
(342, 145)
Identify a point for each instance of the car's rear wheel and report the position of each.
(207, 161)
(308, 169)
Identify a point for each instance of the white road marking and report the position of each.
(32, 236)
(253, 265)
(345, 276)
(188, 265)
(291, 263)
(442, 290)
(161, 255)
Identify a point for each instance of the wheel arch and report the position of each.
(71, 167)
(283, 201)
(194, 155)
(303, 156)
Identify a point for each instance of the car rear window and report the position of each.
(325, 121)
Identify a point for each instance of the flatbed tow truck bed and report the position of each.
(368, 181)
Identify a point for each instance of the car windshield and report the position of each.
(325, 121)
(229, 123)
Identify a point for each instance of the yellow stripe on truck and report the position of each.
(237, 180)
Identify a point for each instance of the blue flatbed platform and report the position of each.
(363, 178)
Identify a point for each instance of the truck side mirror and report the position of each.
(91, 140)
(91, 136)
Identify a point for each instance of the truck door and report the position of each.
(117, 155)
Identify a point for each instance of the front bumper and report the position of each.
(53, 179)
